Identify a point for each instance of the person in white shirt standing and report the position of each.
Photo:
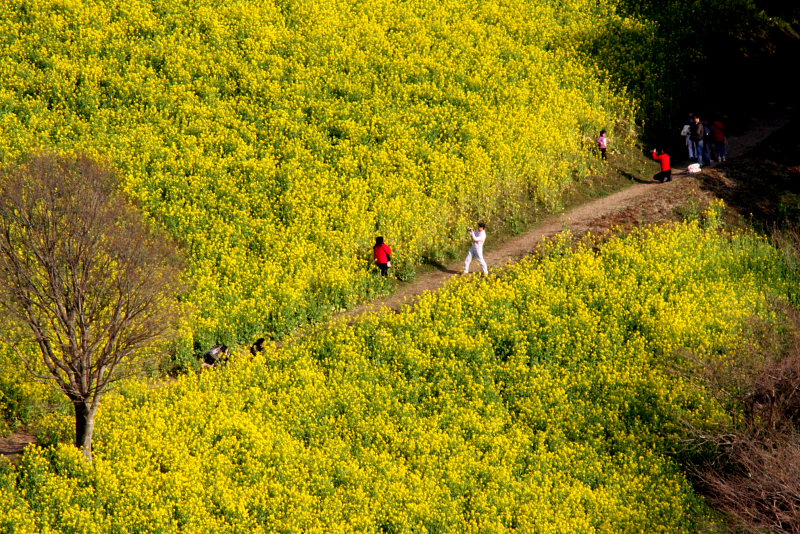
(477, 248)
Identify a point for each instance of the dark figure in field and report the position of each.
(665, 175)
(707, 142)
(258, 346)
(697, 134)
(383, 256)
(215, 356)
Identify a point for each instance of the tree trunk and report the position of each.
(84, 426)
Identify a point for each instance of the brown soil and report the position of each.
(13, 445)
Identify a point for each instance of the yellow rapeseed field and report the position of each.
(276, 139)
(542, 401)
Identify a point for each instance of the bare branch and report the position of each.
(82, 271)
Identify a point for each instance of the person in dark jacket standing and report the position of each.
(697, 134)
(383, 256)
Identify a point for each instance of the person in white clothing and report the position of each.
(477, 248)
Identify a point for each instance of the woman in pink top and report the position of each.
(602, 143)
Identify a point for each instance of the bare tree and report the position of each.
(84, 275)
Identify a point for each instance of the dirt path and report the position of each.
(13, 445)
(598, 215)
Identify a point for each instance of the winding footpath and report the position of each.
(579, 220)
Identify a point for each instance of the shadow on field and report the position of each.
(636, 179)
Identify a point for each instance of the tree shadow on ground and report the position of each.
(636, 179)
(441, 267)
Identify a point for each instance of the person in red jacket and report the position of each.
(383, 255)
(720, 140)
(666, 169)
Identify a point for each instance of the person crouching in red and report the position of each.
(666, 169)
(383, 255)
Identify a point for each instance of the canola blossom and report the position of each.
(544, 400)
(275, 139)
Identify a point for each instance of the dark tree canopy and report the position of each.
(81, 270)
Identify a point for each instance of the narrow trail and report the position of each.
(579, 220)
(11, 446)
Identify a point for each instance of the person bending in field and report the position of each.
(383, 256)
(258, 346)
(665, 175)
(602, 144)
(476, 251)
(217, 355)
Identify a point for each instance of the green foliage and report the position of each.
(676, 56)
(541, 401)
